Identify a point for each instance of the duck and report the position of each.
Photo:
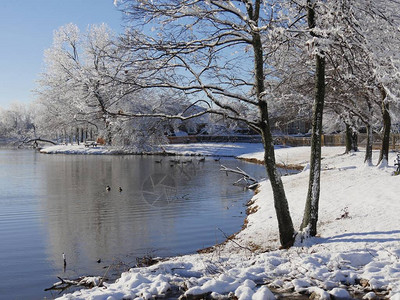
(120, 189)
(108, 188)
(158, 161)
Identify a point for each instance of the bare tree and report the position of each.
(214, 51)
(79, 88)
(17, 123)
(310, 217)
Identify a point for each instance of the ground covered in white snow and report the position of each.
(206, 149)
(214, 149)
(357, 250)
(82, 149)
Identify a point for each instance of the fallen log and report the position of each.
(250, 182)
(85, 281)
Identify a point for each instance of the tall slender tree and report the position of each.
(310, 217)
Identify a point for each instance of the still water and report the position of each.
(54, 204)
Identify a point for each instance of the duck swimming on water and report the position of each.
(108, 188)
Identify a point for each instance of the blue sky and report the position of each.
(26, 30)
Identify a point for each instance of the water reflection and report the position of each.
(54, 204)
(87, 222)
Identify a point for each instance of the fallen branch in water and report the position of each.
(251, 182)
(85, 281)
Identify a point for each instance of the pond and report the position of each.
(55, 204)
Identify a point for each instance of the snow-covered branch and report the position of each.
(251, 182)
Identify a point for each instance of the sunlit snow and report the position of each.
(361, 245)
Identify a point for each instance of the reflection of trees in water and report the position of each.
(87, 222)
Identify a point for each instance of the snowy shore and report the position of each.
(205, 149)
(357, 250)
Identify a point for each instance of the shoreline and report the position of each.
(294, 167)
(101, 150)
(173, 150)
(198, 149)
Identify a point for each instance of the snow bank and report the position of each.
(81, 149)
(358, 243)
(214, 149)
(292, 155)
(206, 149)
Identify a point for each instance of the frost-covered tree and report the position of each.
(85, 85)
(78, 81)
(60, 89)
(213, 51)
(357, 38)
(17, 123)
(290, 76)
(85, 79)
(365, 54)
(310, 217)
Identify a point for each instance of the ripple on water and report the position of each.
(56, 204)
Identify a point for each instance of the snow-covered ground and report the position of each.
(295, 156)
(82, 149)
(358, 243)
(206, 149)
(214, 149)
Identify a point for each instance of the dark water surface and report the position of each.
(54, 204)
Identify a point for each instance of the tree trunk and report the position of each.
(349, 138)
(82, 135)
(368, 148)
(285, 224)
(65, 136)
(77, 136)
(310, 217)
(384, 154)
(354, 141)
